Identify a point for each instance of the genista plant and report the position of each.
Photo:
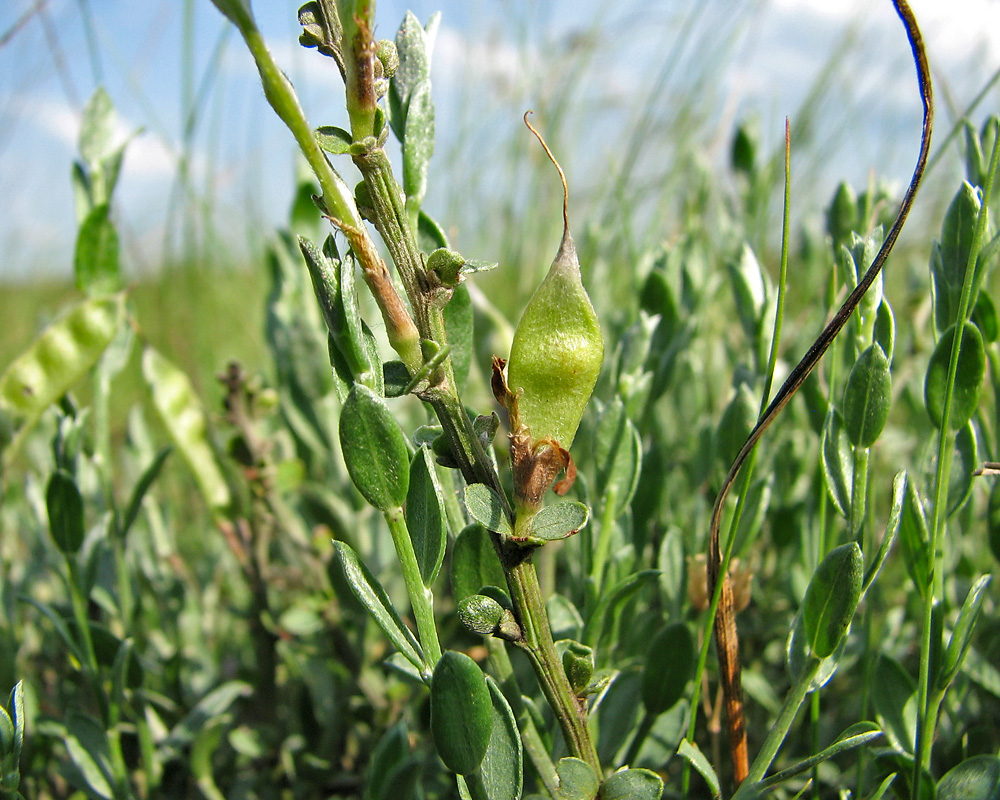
(351, 578)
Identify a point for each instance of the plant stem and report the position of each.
(570, 712)
(530, 738)
(779, 730)
(927, 710)
(421, 597)
(604, 540)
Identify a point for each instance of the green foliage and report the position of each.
(204, 624)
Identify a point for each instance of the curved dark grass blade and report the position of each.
(725, 621)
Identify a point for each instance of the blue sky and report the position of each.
(489, 67)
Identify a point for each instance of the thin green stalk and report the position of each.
(604, 540)
(859, 494)
(778, 731)
(530, 737)
(926, 715)
(421, 597)
(569, 711)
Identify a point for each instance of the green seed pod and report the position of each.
(558, 348)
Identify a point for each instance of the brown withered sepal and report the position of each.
(535, 463)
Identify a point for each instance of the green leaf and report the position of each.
(206, 742)
(961, 637)
(214, 704)
(891, 530)
(857, 735)
(838, 462)
(964, 463)
(418, 143)
(957, 238)
(141, 487)
(885, 329)
(461, 712)
(976, 778)
(458, 326)
(735, 425)
(65, 508)
(425, 516)
(984, 316)
(88, 748)
(842, 215)
(673, 568)
(915, 540)
(392, 750)
(577, 780)
(668, 668)
(374, 449)
(749, 290)
(373, 597)
(611, 602)
(799, 658)
(867, 397)
(6, 736)
(414, 45)
(502, 767)
(334, 140)
(430, 234)
(95, 263)
(184, 418)
(691, 752)
(895, 703)
(474, 563)
(618, 456)
(97, 129)
(832, 598)
(632, 784)
(62, 629)
(993, 520)
(486, 508)
(558, 521)
(968, 377)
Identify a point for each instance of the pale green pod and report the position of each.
(57, 359)
(557, 351)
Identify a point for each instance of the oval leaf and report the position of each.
(65, 507)
(577, 780)
(425, 517)
(618, 455)
(895, 703)
(371, 594)
(474, 563)
(502, 768)
(486, 508)
(838, 462)
(867, 397)
(559, 521)
(832, 598)
(668, 668)
(461, 712)
(632, 784)
(961, 637)
(976, 778)
(968, 377)
(374, 448)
